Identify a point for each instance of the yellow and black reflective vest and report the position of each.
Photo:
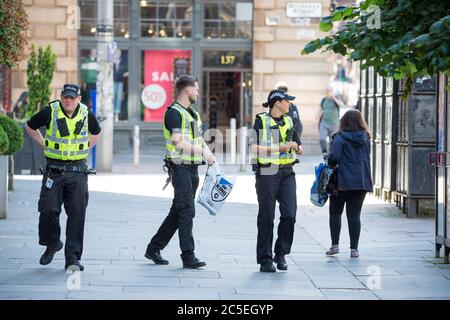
(266, 139)
(70, 147)
(191, 130)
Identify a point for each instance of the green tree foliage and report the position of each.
(413, 39)
(13, 31)
(41, 67)
(4, 141)
(14, 133)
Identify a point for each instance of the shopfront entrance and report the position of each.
(226, 90)
(226, 95)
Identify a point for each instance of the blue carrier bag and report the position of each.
(324, 185)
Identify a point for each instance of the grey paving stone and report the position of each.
(345, 294)
(238, 283)
(419, 293)
(136, 281)
(26, 295)
(123, 215)
(267, 297)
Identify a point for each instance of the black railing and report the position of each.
(403, 133)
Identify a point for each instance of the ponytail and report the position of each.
(271, 103)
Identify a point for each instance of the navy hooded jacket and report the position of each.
(350, 150)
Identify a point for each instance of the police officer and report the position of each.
(71, 131)
(185, 151)
(277, 148)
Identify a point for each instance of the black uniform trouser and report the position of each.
(185, 183)
(70, 189)
(279, 187)
(353, 201)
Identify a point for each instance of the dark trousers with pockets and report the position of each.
(353, 201)
(185, 183)
(70, 189)
(279, 187)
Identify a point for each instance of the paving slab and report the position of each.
(127, 206)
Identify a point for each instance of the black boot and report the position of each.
(156, 257)
(193, 263)
(281, 263)
(49, 253)
(267, 267)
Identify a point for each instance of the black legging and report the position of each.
(353, 201)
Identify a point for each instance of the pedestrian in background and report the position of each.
(327, 118)
(293, 111)
(350, 155)
(277, 146)
(72, 130)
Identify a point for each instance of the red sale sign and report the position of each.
(161, 68)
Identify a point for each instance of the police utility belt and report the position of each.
(61, 168)
(257, 166)
(169, 166)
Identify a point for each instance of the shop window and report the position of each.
(159, 70)
(166, 19)
(88, 12)
(88, 80)
(227, 19)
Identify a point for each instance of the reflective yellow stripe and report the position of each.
(55, 109)
(50, 150)
(66, 153)
(82, 140)
(57, 140)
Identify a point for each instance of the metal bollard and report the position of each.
(243, 147)
(136, 142)
(233, 140)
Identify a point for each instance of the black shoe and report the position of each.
(281, 263)
(49, 253)
(267, 267)
(193, 263)
(74, 266)
(155, 256)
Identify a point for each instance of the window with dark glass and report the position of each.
(228, 19)
(166, 19)
(88, 18)
(88, 80)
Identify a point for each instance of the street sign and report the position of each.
(304, 9)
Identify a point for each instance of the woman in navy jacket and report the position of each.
(350, 153)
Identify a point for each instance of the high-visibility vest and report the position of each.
(72, 147)
(266, 139)
(190, 130)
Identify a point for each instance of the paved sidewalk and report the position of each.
(397, 254)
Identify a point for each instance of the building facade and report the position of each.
(239, 49)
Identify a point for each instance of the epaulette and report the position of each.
(261, 113)
(50, 103)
